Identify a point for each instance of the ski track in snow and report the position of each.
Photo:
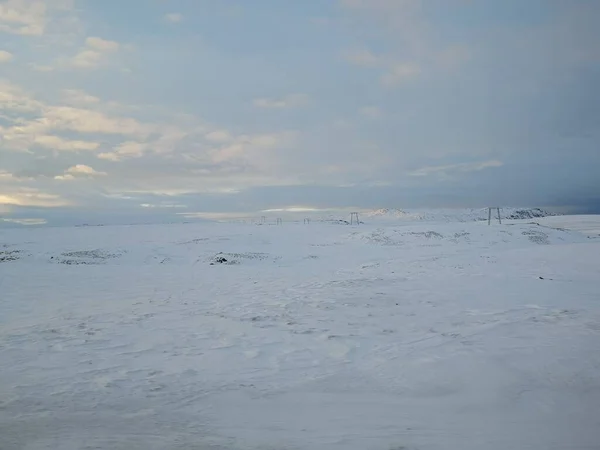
(381, 336)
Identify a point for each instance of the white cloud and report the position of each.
(23, 17)
(162, 205)
(26, 221)
(395, 12)
(82, 169)
(65, 177)
(37, 132)
(218, 136)
(41, 67)
(4, 175)
(53, 126)
(109, 156)
(461, 167)
(399, 73)
(173, 17)
(58, 143)
(89, 121)
(175, 148)
(215, 215)
(95, 53)
(79, 171)
(31, 197)
(5, 56)
(372, 112)
(321, 21)
(41, 129)
(32, 17)
(66, 119)
(341, 123)
(362, 57)
(253, 150)
(297, 209)
(289, 101)
(126, 150)
(7, 176)
(412, 42)
(79, 97)
(13, 98)
(453, 56)
(102, 45)
(87, 59)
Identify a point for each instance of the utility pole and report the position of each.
(490, 214)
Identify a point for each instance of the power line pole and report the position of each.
(490, 214)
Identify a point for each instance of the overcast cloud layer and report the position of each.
(159, 110)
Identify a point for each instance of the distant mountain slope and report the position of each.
(451, 215)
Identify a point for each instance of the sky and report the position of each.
(132, 111)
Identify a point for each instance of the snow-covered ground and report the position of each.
(384, 336)
(587, 225)
(452, 215)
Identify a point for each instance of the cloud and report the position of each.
(162, 205)
(79, 97)
(174, 17)
(57, 143)
(23, 17)
(5, 56)
(41, 67)
(87, 59)
(289, 101)
(320, 21)
(15, 99)
(82, 169)
(59, 127)
(410, 37)
(79, 171)
(33, 17)
(372, 112)
(31, 197)
(383, 6)
(453, 56)
(42, 129)
(245, 154)
(218, 136)
(399, 73)
(297, 209)
(125, 150)
(402, 18)
(461, 167)
(522, 91)
(7, 176)
(218, 216)
(394, 12)
(88, 121)
(102, 45)
(362, 57)
(27, 222)
(94, 53)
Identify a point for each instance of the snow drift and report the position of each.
(416, 335)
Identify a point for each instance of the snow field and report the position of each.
(386, 336)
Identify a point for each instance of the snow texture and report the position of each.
(454, 215)
(405, 334)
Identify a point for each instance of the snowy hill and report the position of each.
(392, 213)
(415, 334)
(451, 215)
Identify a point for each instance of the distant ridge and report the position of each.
(452, 215)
